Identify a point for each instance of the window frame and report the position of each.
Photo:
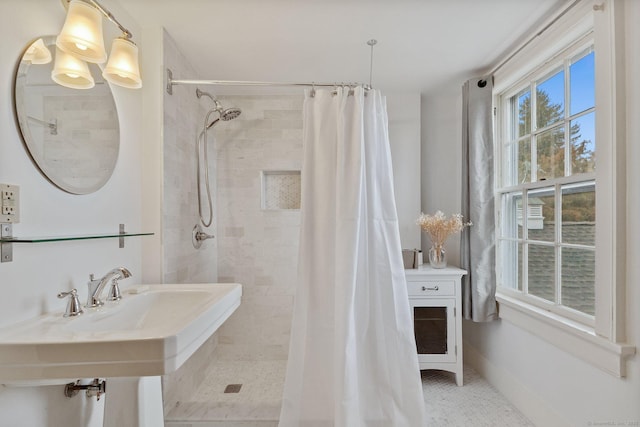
(601, 343)
(560, 62)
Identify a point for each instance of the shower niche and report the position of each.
(281, 190)
(435, 301)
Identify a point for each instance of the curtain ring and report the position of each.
(313, 90)
(335, 90)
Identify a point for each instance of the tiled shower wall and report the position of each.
(181, 263)
(183, 117)
(257, 247)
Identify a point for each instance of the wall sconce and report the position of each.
(81, 37)
(71, 72)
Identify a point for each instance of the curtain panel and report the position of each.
(477, 246)
(352, 359)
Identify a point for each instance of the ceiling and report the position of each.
(423, 45)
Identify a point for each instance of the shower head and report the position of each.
(224, 114)
(230, 114)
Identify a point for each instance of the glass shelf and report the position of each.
(7, 239)
(67, 238)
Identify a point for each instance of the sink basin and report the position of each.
(152, 331)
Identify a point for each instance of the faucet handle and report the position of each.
(73, 306)
(114, 291)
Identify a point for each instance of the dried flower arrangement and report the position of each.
(439, 228)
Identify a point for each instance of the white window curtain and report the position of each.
(477, 248)
(352, 359)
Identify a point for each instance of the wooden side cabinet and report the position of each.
(435, 297)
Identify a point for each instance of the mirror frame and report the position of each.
(25, 130)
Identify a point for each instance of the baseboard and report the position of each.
(527, 402)
(230, 423)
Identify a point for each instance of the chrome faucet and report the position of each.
(96, 286)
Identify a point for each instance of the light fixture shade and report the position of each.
(81, 34)
(71, 72)
(122, 68)
(37, 53)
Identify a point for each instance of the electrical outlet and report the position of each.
(9, 203)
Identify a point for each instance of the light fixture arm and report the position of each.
(127, 34)
(111, 18)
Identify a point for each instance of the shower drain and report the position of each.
(233, 388)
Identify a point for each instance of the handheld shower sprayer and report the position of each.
(201, 147)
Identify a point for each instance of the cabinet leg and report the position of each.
(459, 379)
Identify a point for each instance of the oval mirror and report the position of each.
(72, 135)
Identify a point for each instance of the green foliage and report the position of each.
(550, 154)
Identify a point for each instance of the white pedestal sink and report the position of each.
(152, 331)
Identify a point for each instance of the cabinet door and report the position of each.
(434, 329)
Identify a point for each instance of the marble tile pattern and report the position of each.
(281, 190)
(184, 115)
(188, 377)
(257, 247)
(83, 144)
(476, 404)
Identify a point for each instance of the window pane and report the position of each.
(583, 147)
(550, 152)
(522, 110)
(578, 279)
(524, 161)
(510, 253)
(550, 101)
(541, 215)
(542, 271)
(582, 84)
(512, 216)
(579, 214)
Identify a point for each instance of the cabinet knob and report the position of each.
(435, 288)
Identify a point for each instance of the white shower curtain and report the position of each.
(352, 359)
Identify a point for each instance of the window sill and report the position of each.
(572, 337)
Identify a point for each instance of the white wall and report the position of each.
(551, 387)
(441, 167)
(403, 110)
(39, 271)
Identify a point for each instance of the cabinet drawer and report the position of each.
(432, 288)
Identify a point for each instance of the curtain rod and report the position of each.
(171, 82)
(538, 34)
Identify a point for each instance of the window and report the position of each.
(560, 186)
(546, 238)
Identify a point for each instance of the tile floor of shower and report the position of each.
(257, 404)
